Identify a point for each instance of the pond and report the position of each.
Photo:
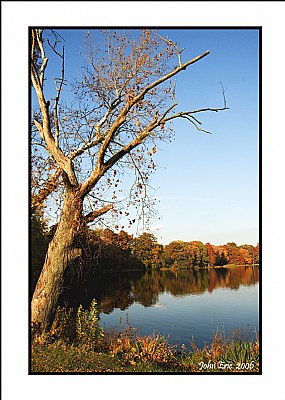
(179, 304)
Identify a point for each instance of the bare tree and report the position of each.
(123, 105)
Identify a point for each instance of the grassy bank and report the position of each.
(75, 343)
(148, 354)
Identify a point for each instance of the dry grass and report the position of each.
(84, 347)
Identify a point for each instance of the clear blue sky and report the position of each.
(207, 185)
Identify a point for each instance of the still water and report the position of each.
(179, 304)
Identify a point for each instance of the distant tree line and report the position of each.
(103, 249)
(180, 254)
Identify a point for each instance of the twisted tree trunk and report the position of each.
(60, 253)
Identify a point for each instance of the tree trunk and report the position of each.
(60, 253)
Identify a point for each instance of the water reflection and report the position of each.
(122, 289)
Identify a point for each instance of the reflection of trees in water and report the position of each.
(111, 290)
(147, 289)
(121, 289)
(188, 282)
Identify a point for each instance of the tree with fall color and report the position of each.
(211, 254)
(122, 107)
(146, 249)
(233, 253)
(176, 255)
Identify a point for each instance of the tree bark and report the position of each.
(60, 253)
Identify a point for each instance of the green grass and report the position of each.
(58, 358)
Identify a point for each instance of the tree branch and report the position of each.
(44, 58)
(188, 115)
(45, 129)
(169, 75)
(49, 186)
(130, 146)
(85, 147)
(55, 107)
(97, 213)
(170, 43)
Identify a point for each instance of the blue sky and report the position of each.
(206, 185)
(209, 183)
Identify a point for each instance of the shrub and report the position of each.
(133, 348)
(87, 324)
(77, 326)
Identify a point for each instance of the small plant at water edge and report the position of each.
(79, 326)
(87, 325)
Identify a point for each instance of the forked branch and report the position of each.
(174, 45)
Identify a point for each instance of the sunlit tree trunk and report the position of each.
(60, 253)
